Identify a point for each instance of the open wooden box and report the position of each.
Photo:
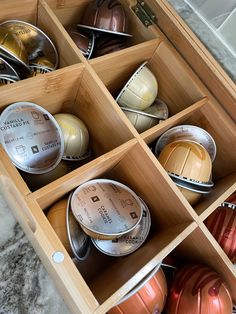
(87, 89)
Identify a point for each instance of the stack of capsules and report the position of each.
(107, 211)
(186, 152)
(138, 99)
(25, 51)
(103, 29)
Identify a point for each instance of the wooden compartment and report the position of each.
(87, 89)
(128, 164)
(40, 15)
(74, 90)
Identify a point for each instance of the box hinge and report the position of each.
(144, 13)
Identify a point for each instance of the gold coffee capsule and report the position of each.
(140, 91)
(189, 161)
(76, 136)
(12, 49)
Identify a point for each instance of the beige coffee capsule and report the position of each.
(76, 136)
(190, 162)
(144, 120)
(140, 91)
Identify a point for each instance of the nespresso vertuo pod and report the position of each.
(187, 132)
(189, 165)
(7, 71)
(76, 136)
(31, 137)
(84, 41)
(129, 242)
(105, 16)
(140, 91)
(13, 50)
(106, 43)
(106, 209)
(35, 41)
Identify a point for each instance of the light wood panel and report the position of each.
(27, 11)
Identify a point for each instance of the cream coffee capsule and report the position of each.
(31, 137)
(76, 136)
(106, 209)
(140, 91)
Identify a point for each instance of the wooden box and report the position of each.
(85, 88)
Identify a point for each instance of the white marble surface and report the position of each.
(25, 286)
(220, 52)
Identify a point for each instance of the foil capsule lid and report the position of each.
(187, 132)
(106, 207)
(35, 41)
(129, 242)
(31, 137)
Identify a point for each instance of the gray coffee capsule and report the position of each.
(31, 137)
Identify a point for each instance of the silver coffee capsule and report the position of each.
(7, 71)
(187, 132)
(79, 241)
(31, 137)
(6, 80)
(106, 209)
(130, 241)
(36, 42)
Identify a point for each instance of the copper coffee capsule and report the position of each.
(148, 297)
(222, 224)
(105, 16)
(197, 289)
(107, 44)
(85, 42)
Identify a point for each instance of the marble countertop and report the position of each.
(25, 286)
(217, 48)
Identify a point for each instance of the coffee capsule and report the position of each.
(41, 65)
(158, 109)
(106, 209)
(129, 242)
(108, 43)
(6, 80)
(198, 289)
(76, 136)
(105, 16)
(144, 120)
(189, 165)
(187, 132)
(140, 91)
(84, 41)
(13, 50)
(149, 296)
(75, 241)
(31, 137)
(222, 224)
(7, 71)
(35, 41)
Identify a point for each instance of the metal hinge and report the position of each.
(144, 13)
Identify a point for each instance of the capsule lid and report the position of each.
(106, 207)
(36, 42)
(129, 242)
(187, 132)
(31, 137)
